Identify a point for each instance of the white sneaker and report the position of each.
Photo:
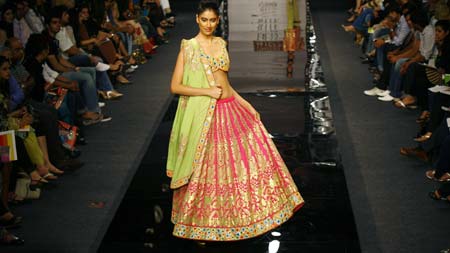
(373, 92)
(130, 70)
(386, 98)
(101, 104)
(102, 67)
(383, 93)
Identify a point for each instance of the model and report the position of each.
(230, 183)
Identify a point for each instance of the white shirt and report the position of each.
(427, 41)
(66, 40)
(21, 30)
(35, 22)
(401, 31)
(49, 74)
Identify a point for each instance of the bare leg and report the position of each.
(43, 145)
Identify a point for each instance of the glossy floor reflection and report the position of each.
(324, 224)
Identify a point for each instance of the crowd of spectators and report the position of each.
(60, 61)
(407, 46)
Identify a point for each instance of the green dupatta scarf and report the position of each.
(193, 118)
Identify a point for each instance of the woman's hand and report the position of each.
(26, 120)
(215, 91)
(250, 108)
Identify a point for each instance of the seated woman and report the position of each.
(6, 20)
(21, 120)
(441, 171)
(139, 14)
(419, 77)
(361, 25)
(126, 15)
(89, 36)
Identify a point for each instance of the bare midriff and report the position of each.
(221, 77)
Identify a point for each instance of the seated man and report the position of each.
(85, 77)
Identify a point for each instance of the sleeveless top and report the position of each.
(222, 62)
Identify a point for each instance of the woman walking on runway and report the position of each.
(230, 183)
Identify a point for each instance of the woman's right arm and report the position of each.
(176, 86)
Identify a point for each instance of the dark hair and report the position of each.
(420, 18)
(36, 44)
(55, 12)
(394, 8)
(3, 59)
(4, 85)
(206, 5)
(410, 8)
(445, 25)
(6, 7)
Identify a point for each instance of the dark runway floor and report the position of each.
(324, 224)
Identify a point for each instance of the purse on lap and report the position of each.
(55, 96)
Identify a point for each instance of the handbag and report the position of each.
(55, 96)
(108, 51)
(68, 134)
(23, 190)
(147, 47)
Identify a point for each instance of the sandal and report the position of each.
(109, 95)
(91, 121)
(424, 137)
(430, 175)
(436, 196)
(49, 176)
(402, 103)
(424, 117)
(8, 239)
(415, 152)
(11, 223)
(445, 177)
(37, 183)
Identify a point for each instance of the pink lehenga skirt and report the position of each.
(243, 188)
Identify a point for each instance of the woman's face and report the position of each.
(4, 71)
(207, 22)
(8, 16)
(84, 14)
(440, 34)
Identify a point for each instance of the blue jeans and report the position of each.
(127, 40)
(375, 35)
(86, 78)
(102, 79)
(81, 60)
(363, 21)
(148, 28)
(382, 54)
(395, 83)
